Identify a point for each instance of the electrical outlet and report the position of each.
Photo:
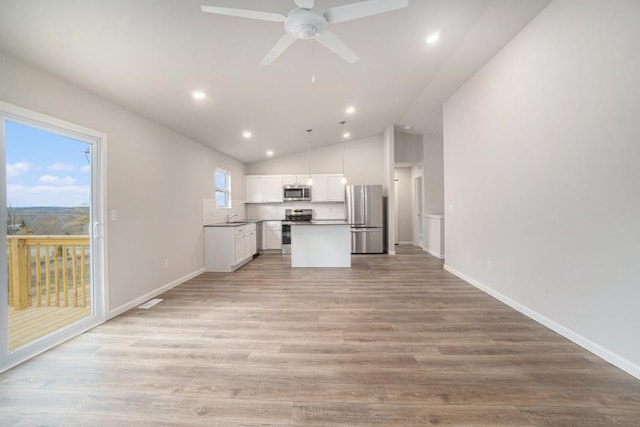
(489, 265)
(166, 263)
(450, 208)
(114, 215)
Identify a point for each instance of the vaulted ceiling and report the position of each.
(149, 55)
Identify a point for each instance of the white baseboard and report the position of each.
(146, 297)
(611, 357)
(434, 253)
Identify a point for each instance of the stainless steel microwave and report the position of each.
(296, 193)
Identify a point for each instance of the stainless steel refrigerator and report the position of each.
(365, 212)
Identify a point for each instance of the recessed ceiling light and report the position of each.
(346, 135)
(269, 153)
(351, 109)
(433, 37)
(198, 94)
(247, 134)
(407, 127)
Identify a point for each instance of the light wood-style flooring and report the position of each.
(394, 341)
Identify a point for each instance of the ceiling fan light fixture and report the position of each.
(304, 24)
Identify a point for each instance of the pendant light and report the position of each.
(309, 180)
(343, 180)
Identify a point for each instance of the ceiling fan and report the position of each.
(304, 23)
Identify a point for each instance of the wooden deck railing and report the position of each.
(49, 271)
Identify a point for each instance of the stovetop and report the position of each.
(298, 215)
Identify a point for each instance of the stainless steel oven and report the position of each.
(293, 216)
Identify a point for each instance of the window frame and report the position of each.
(226, 190)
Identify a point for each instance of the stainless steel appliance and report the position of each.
(296, 193)
(293, 215)
(364, 204)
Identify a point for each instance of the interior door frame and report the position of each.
(98, 141)
(417, 176)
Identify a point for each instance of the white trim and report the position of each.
(409, 243)
(434, 253)
(146, 297)
(611, 357)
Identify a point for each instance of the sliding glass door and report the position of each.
(52, 211)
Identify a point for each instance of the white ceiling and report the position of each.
(148, 55)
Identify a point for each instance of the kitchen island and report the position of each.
(321, 244)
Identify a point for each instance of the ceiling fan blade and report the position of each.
(305, 4)
(352, 11)
(334, 44)
(243, 13)
(282, 45)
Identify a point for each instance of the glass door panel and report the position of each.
(49, 250)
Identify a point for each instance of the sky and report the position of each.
(45, 169)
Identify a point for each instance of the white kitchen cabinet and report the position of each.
(295, 179)
(227, 248)
(272, 235)
(327, 188)
(250, 243)
(263, 188)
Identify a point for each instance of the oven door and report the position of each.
(286, 238)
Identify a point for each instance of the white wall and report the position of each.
(407, 148)
(388, 162)
(404, 218)
(157, 180)
(433, 164)
(363, 162)
(541, 156)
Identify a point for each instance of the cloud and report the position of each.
(59, 167)
(17, 168)
(86, 169)
(56, 180)
(48, 195)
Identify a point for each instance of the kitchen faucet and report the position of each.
(228, 217)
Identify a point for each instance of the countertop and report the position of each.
(231, 224)
(323, 222)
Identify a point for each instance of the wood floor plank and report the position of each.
(393, 341)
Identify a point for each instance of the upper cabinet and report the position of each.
(295, 179)
(263, 189)
(268, 188)
(327, 188)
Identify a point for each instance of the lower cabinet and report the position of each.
(272, 235)
(227, 248)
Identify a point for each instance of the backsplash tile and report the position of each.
(275, 211)
(213, 214)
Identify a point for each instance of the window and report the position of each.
(223, 188)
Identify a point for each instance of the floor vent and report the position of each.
(151, 303)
